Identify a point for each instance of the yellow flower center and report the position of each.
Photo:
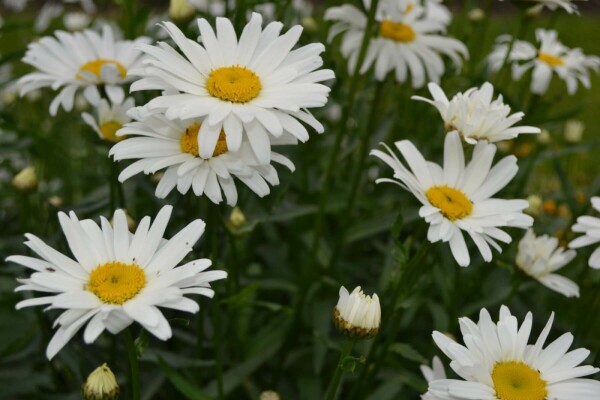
(189, 141)
(453, 203)
(396, 31)
(95, 67)
(116, 282)
(550, 59)
(235, 84)
(517, 381)
(109, 131)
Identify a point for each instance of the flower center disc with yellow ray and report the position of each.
(189, 141)
(396, 31)
(109, 131)
(551, 60)
(116, 282)
(95, 67)
(517, 381)
(452, 203)
(235, 84)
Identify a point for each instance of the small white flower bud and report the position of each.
(26, 180)
(357, 315)
(101, 385)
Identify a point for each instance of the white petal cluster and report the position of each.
(411, 39)
(551, 369)
(567, 5)
(356, 314)
(67, 281)
(435, 372)
(539, 257)
(590, 227)
(109, 118)
(476, 115)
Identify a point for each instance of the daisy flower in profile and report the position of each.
(458, 197)
(476, 116)
(497, 362)
(254, 86)
(81, 61)
(110, 118)
(590, 227)
(435, 372)
(408, 40)
(539, 257)
(157, 143)
(549, 58)
(116, 277)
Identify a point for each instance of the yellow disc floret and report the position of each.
(396, 31)
(550, 59)
(189, 141)
(116, 282)
(517, 381)
(235, 84)
(109, 131)
(95, 67)
(452, 203)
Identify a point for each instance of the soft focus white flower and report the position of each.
(551, 57)
(81, 61)
(357, 315)
(116, 277)
(409, 40)
(476, 116)
(109, 119)
(458, 197)
(49, 11)
(101, 384)
(254, 87)
(539, 257)
(76, 21)
(498, 362)
(176, 145)
(590, 226)
(435, 372)
(566, 5)
(574, 131)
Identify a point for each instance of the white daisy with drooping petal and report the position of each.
(81, 61)
(158, 143)
(254, 86)
(116, 277)
(409, 40)
(476, 116)
(541, 256)
(590, 227)
(458, 197)
(109, 119)
(435, 372)
(497, 362)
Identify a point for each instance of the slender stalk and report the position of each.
(134, 368)
(218, 350)
(339, 370)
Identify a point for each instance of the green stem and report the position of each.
(134, 368)
(218, 350)
(339, 370)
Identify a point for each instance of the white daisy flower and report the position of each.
(435, 372)
(255, 84)
(552, 57)
(476, 116)
(116, 277)
(459, 198)
(553, 5)
(110, 118)
(176, 145)
(498, 363)
(81, 60)
(539, 257)
(590, 226)
(408, 40)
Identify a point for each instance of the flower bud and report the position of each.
(269, 395)
(309, 24)
(356, 315)
(181, 10)
(101, 385)
(26, 180)
(535, 205)
(76, 21)
(476, 15)
(544, 137)
(574, 131)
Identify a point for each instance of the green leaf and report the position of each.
(183, 386)
(407, 351)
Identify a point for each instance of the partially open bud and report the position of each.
(356, 315)
(181, 10)
(269, 395)
(101, 385)
(26, 180)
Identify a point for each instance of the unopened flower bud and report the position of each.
(574, 131)
(476, 15)
(237, 219)
(181, 10)
(76, 21)
(535, 205)
(56, 201)
(309, 24)
(544, 137)
(26, 180)
(356, 315)
(269, 395)
(101, 385)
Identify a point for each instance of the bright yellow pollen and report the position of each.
(236, 84)
(453, 203)
(109, 131)
(116, 282)
(95, 67)
(396, 31)
(551, 60)
(189, 141)
(517, 381)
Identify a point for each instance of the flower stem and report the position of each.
(134, 368)
(339, 370)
